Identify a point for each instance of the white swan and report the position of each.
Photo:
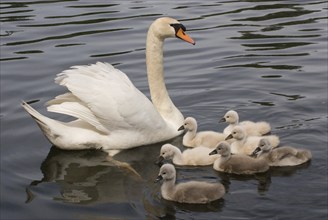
(192, 138)
(111, 112)
(244, 144)
(237, 164)
(251, 128)
(194, 192)
(197, 156)
(281, 156)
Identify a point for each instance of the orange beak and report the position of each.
(183, 36)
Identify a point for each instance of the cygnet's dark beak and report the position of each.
(229, 137)
(159, 161)
(254, 154)
(222, 120)
(213, 152)
(181, 128)
(159, 178)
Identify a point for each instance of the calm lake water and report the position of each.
(265, 59)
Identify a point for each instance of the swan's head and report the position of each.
(223, 148)
(167, 152)
(237, 133)
(264, 146)
(166, 173)
(166, 27)
(231, 117)
(189, 124)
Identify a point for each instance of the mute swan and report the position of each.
(195, 192)
(251, 128)
(112, 114)
(193, 157)
(281, 156)
(244, 144)
(237, 164)
(192, 138)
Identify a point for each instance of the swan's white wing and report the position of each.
(108, 99)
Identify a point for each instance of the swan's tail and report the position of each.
(263, 127)
(304, 154)
(42, 121)
(274, 140)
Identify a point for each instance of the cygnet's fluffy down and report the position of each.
(192, 138)
(195, 192)
(237, 164)
(244, 144)
(281, 156)
(198, 156)
(251, 128)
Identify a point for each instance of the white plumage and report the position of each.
(198, 156)
(244, 144)
(111, 113)
(192, 138)
(251, 128)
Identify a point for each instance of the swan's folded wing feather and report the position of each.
(111, 97)
(66, 97)
(76, 109)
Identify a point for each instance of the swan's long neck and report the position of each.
(168, 188)
(155, 73)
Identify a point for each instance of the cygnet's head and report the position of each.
(167, 172)
(167, 151)
(166, 27)
(231, 117)
(190, 124)
(223, 148)
(237, 133)
(263, 147)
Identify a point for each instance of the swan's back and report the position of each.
(208, 138)
(198, 192)
(240, 164)
(198, 156)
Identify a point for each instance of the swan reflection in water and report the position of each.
(87, 176)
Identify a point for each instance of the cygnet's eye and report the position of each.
(163, 153)
(228, 116)
(164, 173)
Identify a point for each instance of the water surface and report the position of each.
(265, 59)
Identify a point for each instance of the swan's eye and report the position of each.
(163, 153)
(228, 116)
(164, 173)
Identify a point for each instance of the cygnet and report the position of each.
(197, 156)
(192, 138)
(281, 156)
(251, 128)
(195, 192)
(244, 144)
(237, 164)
